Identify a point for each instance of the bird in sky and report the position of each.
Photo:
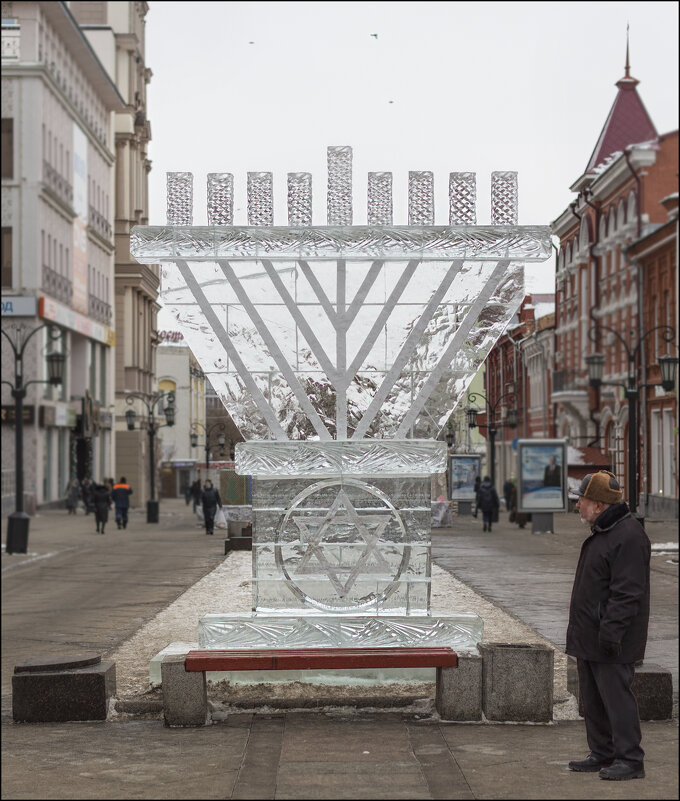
(374, 35)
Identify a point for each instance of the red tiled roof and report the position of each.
(628, 123)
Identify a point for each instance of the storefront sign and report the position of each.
(61, 415)
(57, 313)
(17, 306)
(9, 414)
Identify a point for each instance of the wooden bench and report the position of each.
(184, 677)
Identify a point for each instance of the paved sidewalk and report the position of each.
(77, 591)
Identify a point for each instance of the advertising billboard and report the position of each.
(463, 470)
(542, 475)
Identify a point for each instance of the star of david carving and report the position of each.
(313, 528)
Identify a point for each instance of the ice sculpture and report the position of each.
(340, 351)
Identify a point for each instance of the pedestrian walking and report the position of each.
(187, 493)
(72, 496)
(120, 495)
(196, 491)
(516, 516)
(607, 631)
(86, 488)
(210, 499)
(478, 482)
(101, 499)
(508, 487)
(488, 502)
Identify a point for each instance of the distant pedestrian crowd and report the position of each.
(98, 498)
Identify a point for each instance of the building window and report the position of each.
(6, 257)
(7, 147)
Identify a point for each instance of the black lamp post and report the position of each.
(221, 440)
(153, 402)
(511, 422)
(450, 435)
(668, 365)
(17, 522)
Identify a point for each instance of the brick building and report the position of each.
(616, 272)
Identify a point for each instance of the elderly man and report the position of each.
(607, 631)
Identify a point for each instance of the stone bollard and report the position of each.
(185, 697)
(517, 681)
(459, 689)
(62, 689)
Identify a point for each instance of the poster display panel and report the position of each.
(542, 475)
(463, 470)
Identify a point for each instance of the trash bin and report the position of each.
(152, 511)
(17, 533)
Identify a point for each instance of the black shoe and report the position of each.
(484, 527)
(590, 764)
(489, 528)
(97, 529)
(620, 771)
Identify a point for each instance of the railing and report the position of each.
(59, 286)
(99, 223)
(99, 310)
(58, 184)
(569, 380)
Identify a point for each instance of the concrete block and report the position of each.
(652, 687)
(185, 698)
(459, 689)
(517, 681)
(62, 689)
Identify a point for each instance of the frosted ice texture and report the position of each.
(299, 198)
(339, 185)
(504, 198)
(220, 198)
(462, 198)
(420, 198)
(380, 198)
(180, 194)
(461, 632)
(260, 189)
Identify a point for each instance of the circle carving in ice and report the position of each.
(332, 547)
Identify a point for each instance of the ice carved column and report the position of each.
(299, 199)
(339, 185)
(421, 198)
(180, 186)
(503, 198)
(380, 198)
(260, 198)
(462, 198)
(220, 198)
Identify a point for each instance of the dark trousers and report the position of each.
(101, 515)
(610, 711)
(209, 513)
(122, 515)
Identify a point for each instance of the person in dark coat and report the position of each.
(508, 487)
(196, 493)
(210, 499)
(488, 502)
(86, 488)
(101, 499)
(478, 482)
(121, 497)
(607, 631)
(515, 516)
(72, 496)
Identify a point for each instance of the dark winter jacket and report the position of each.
(210, 498)
(101, 497)
(487, 497)
(121, 495)
(610, 598)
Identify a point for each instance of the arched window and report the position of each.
(621, 215)
(632, 206)
(603, 228)
(584, 236)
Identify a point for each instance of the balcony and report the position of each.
(569, 381)
(58, 185)
(59, 286)
(99, 310)
(97, 222)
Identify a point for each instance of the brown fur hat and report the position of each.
(601, 486)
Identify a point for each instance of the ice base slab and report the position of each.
(461, 632)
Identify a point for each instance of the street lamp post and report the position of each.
(221, 440)
(471, 413)
(17, 522)
(668, 365)
(153, 402)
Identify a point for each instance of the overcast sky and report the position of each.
(444, 86)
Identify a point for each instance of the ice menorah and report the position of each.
(340, 352)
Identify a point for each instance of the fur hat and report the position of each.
(601, 486)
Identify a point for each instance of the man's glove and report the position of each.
(610, 648)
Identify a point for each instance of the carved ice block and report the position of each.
(340, 527)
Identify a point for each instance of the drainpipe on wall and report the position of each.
(596, 302)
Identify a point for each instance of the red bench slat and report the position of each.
(319, 658)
